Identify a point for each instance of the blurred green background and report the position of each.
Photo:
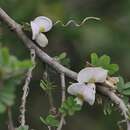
(109, 36)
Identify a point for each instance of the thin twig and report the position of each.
(75, 23)
(53, 63)
(52, 109)
(10, 119)
(26, 89)
(63, 86)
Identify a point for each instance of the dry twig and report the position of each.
(26, 89)
(62, 120)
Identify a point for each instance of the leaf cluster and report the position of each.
(69, 107)
(50, 120)
(47, 86)
(104, 61)
(10, 66)
(124, 89)
(107, 107)
(11, 71)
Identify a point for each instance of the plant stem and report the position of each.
(26, 89)
(10, 119)
(63, 86)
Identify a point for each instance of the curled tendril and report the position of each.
(75, 23)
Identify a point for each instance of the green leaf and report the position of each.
(94, 58)
(120, 84)
(127, 85)
(50, 120)
(112, 68)
(69, 107)
(104, 62)
(7, 99)
(2, 108)
(23, 128)
(77, 108)
(125, 99)
(47, 86)
(62, 56)
(11, 72)
(107, 108)
(126, 92)
(123, 88)
(5, 55)
(43, 121)
(7, 95)
(71, 112)
(24, 64)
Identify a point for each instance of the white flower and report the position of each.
(42, 40)
(86, 92)
(40, 24)
(92, 74)
(83, 92)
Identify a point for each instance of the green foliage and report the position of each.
(2, 107)
(7, 95)
(26, 26)
(63, 59)
(107, 108)
(50, 120)
(23, 128)
(124, 89)
(104, 62)
(69, 107)
(10, 66)
(47, 86)
(11, 71)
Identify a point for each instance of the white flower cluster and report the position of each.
(40, 25)
(85, 89)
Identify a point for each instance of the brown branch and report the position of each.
(63, 86)
(54, 64)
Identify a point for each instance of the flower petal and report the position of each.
(41, 40)
(89, 93)
(40, 24)
(92, 74)
(44, 22)
(83, 92)
(35, 30)
(76, 89)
